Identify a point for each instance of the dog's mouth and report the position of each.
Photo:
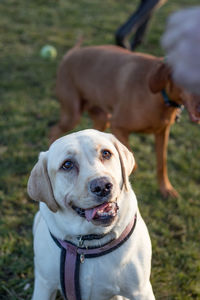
(193, 108)
(194, 118)
(104, 213)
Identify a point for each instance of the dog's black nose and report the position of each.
(101, 186)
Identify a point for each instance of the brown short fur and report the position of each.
(122, 90)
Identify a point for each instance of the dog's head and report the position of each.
(84, 172)
(162, 78)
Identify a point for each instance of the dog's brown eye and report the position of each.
(68, 165)
(106, 154)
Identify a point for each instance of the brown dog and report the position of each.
(122, 89)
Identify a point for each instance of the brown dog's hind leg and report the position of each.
(122, 135)
(70, 113)
(99, 117)
(166, 188)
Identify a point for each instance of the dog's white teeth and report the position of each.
(100, 213)
(109, 213)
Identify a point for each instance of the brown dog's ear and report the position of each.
(159, 77)
(39, 185)
(127, 160)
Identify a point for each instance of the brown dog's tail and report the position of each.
(79, 41)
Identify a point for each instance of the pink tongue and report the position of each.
(91, 212)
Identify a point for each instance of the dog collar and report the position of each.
(168, 101)
(71, 257)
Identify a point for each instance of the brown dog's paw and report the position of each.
(168, 191)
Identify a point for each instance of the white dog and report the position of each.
(90, 240)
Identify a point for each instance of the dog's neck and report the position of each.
(66, 225)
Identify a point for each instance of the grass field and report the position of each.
(28, 109)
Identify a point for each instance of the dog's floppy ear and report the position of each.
(39, 185)
(127, 160)
(159, 77)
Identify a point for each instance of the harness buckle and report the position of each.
(80, 241)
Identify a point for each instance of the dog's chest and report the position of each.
(99, 277)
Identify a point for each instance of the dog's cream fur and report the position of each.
(125, 271)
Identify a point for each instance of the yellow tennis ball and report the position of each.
(48, 52)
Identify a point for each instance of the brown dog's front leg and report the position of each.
(161, 153)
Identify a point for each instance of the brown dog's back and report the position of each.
(107, 80)
(104, 74)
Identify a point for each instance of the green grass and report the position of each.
(29, 108)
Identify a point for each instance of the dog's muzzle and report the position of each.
(101, 188)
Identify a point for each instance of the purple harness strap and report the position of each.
(71, 256)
